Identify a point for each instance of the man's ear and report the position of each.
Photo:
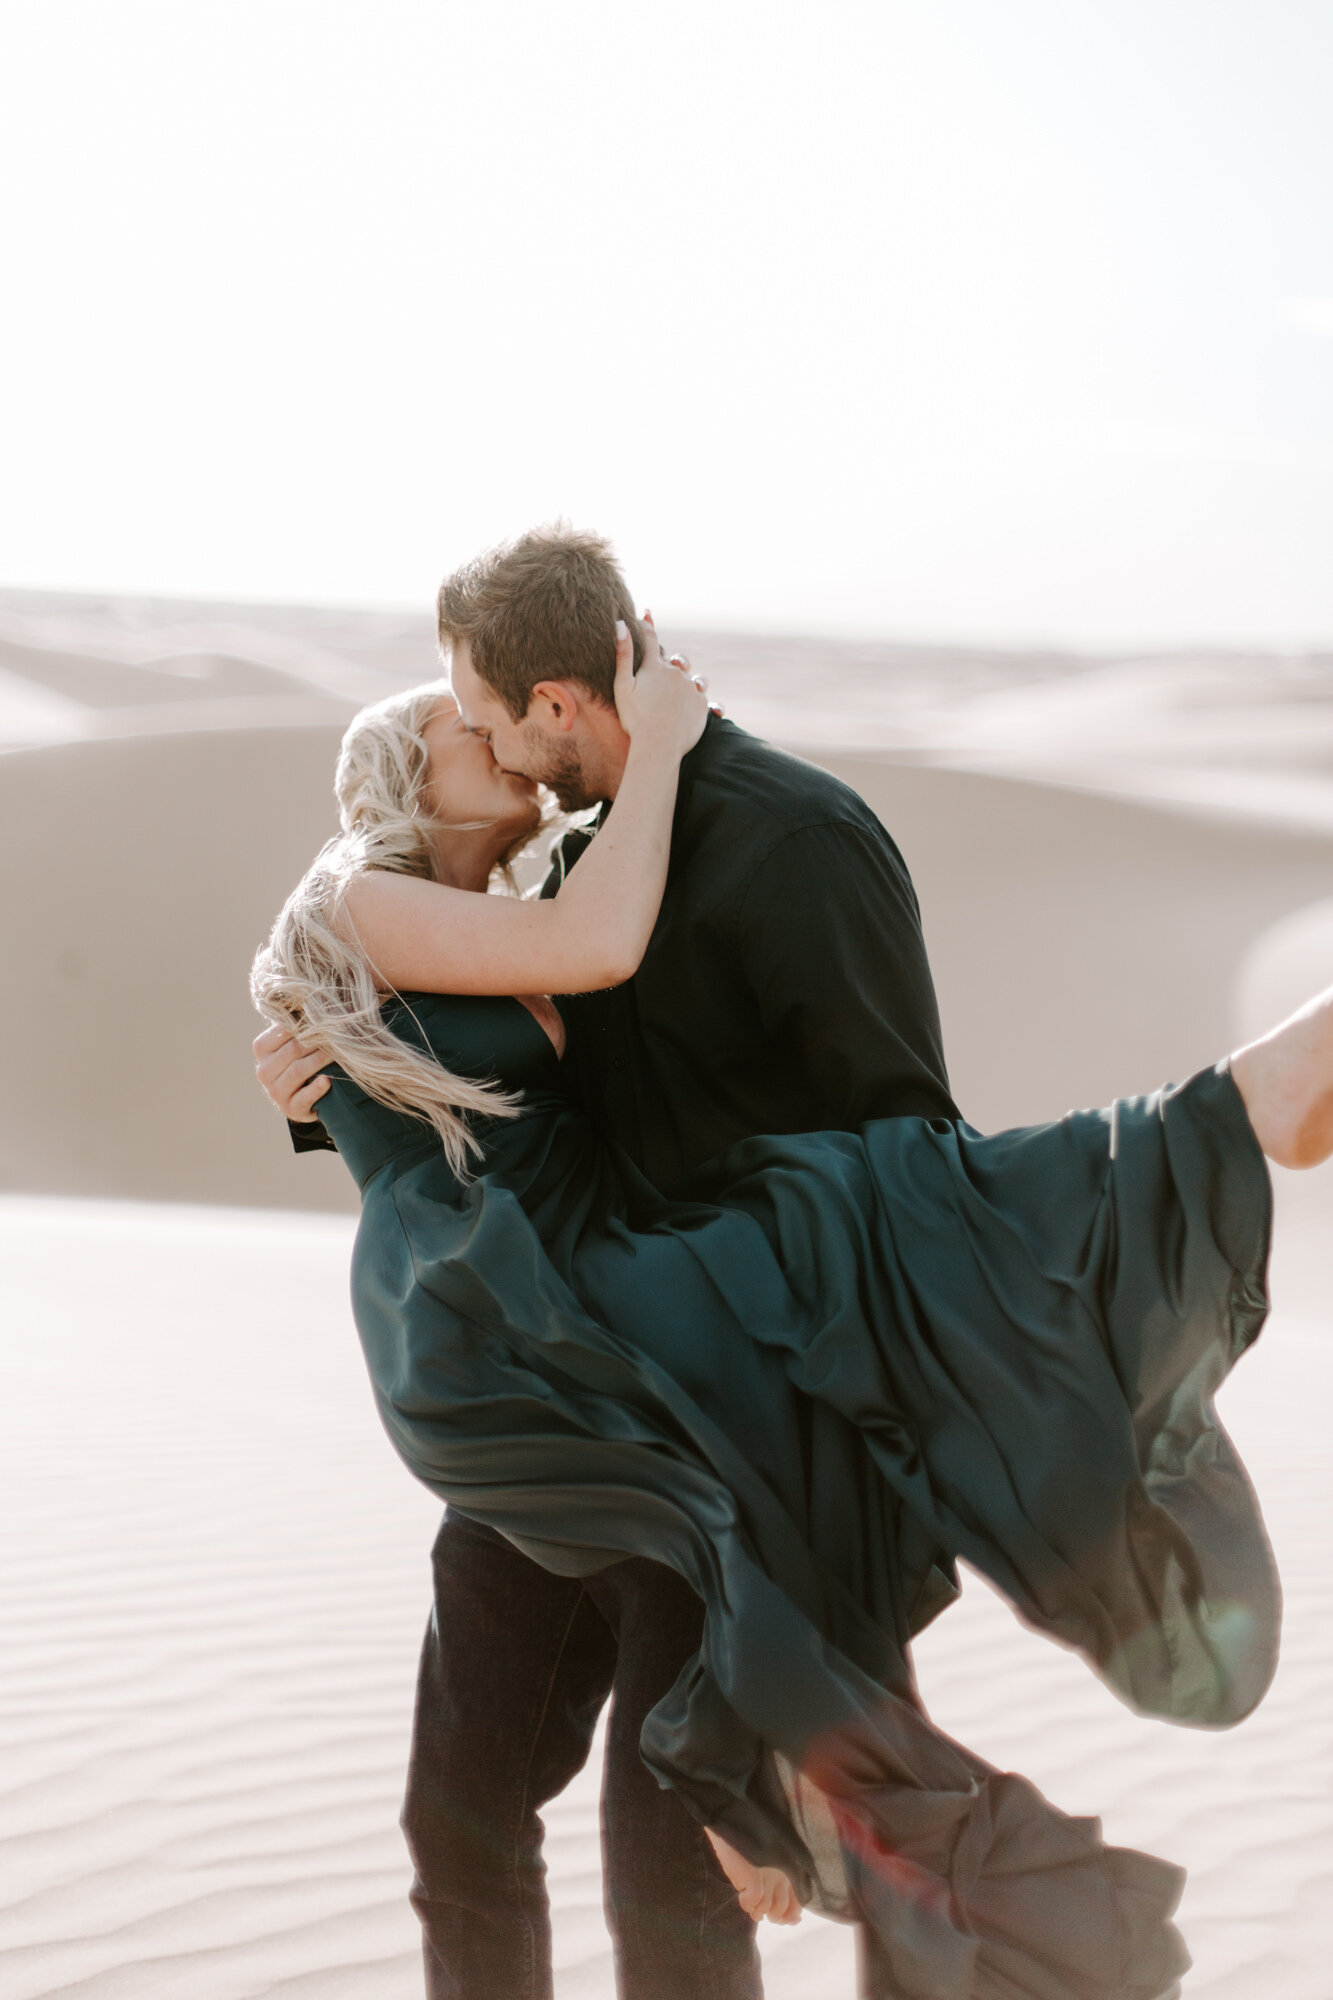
(554, 706)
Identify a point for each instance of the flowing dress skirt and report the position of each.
(854, 1359)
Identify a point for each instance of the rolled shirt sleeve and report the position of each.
(310, 1138)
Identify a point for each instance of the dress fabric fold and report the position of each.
(847, 1362)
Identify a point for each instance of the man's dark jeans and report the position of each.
(516, 1666)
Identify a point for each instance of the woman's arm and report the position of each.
(423, 937)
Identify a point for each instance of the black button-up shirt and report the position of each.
(785, 987)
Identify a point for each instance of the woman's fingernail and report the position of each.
(622, 629)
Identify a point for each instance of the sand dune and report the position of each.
(75, 666)
(1121, 723)
(1082, 946)
(79, 667)
(216, 1576)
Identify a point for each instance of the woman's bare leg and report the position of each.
(1286, 1082)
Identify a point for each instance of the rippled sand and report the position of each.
(214, 1582)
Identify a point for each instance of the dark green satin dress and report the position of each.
(850, 1361)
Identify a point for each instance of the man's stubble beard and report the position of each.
(559, 767)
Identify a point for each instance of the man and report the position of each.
(785, 989)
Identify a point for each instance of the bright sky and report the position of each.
(1000, 319)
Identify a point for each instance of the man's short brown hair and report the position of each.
(542, 608)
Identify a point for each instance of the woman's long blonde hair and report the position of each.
(311, 981)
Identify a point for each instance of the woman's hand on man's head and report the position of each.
(662, 704)
(682, 660)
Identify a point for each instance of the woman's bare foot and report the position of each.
(1286, 1081)
(763, 1892)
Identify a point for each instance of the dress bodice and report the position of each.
(487, 1038)
(479, 1035)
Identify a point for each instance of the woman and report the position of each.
(859, 1358)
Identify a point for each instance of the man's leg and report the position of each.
(678, 1930)
(515, 1667)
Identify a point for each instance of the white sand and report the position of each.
(214, 1583)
